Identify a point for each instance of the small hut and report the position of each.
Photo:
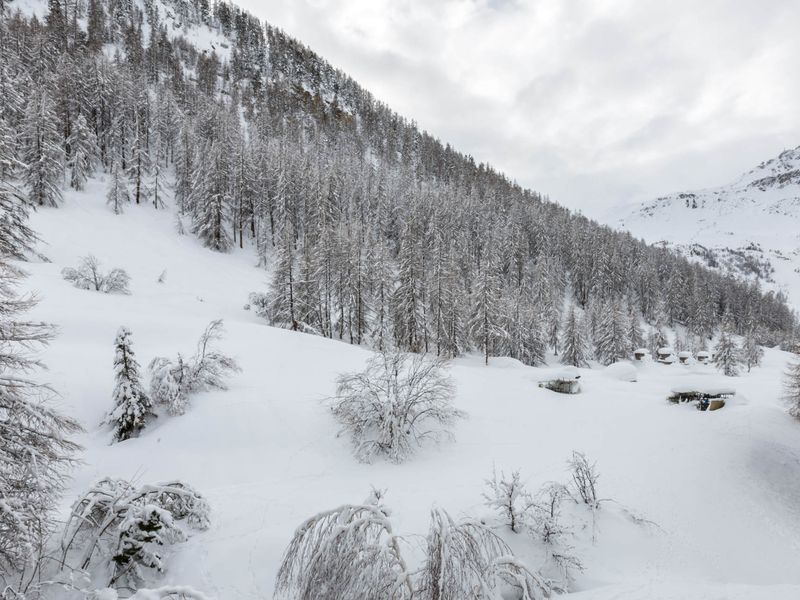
(639, 354)
(665, 355)
(684, 357)
(563, 382)
(704, 397)
(704, 356)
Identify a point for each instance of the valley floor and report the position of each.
(722, 487)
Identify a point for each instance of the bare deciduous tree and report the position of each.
(399, 401)
(584, 479)
(88, 276)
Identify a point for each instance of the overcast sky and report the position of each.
(594, 102)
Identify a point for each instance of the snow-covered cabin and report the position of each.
(706, 397)
(666, 355)
(640, 354)
(564, 381)
(704, 356)
(684, 357)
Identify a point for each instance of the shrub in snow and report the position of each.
(584, 479)
(351, 553)
(34, 448)
(132, 407)
(121, 532)
(468, 560)
(88, 276)
(539, 517)
(396, 403)
(173, 381)
(168, 592)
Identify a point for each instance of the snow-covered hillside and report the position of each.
(750, 227)
(722, 487)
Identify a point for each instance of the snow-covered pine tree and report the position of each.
(34, 447)
(83, 153)
(612, 343)
(132, 406)
(43, 154)
(16, 238)
(726, 353)
(791, 386)
(751, 352)
(484, 326)
(139, 163)
(574, 341)
(635, 334)
(117, 195)
(211, 202)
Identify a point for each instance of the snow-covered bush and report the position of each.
(173, 381)
(468, 560)
(88, 276)
(584, 479)
(132, 406)
(351, 553)
(396, 403)
(120, 531)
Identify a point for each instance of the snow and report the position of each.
(266, 455)
(622, 371)
(757, 216)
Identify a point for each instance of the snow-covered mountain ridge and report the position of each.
(750, 227)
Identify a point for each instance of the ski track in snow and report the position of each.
(722, 487)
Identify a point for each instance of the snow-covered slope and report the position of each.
(722, 487)
(750, 227)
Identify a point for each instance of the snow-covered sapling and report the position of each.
(88, 276)
(584, 479)
(548, 528)
(132, 407)
(507, 496)
(173, 381)
(120, 530)
(396, 403)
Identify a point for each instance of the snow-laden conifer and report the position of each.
(574, 341)
(132, 406)
(727, 356)
(117, 195)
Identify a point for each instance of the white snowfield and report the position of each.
(757, 216)
(723, 487)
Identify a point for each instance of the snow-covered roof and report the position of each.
(666, 350)
(703, 389)
(684, 354)
(703, 354)
(641, 351)
(563, 374)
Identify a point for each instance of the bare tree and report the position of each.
(584, 479)
(791, 383)
(399, 401)
(88, 276)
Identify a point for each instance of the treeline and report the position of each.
(375, 231)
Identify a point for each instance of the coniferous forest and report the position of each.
(373, 231)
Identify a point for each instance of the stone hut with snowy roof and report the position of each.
(564, 381)
(665, 355)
